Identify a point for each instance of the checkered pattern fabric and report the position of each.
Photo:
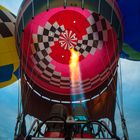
(97, 33)
(7, 24)
(9, 60)
(41, 49)
(48, 35)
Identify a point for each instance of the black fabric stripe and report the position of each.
(56, 77)
(13, 15)
(3, 17)
(88, 49)
(50, 38)
(81, 50)
(79, 45)
(90, 36)
(94, 27)
(36, 47)
(46, 44)
(85, 42)
(44, 52)
(95, 43)
(56, 36)
(63, 85)
(40, 38)
(96, 17)
(59, 29)
(4, 31)
(46, 32)
(57, 82)
(103, 22)
(100, 35)
(36, 57)
(47, 76)
(41, 68)
(53, 29)
(49, 70)
(45, 61)
(64, 81)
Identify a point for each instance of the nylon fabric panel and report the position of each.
(9, 60)
(7, 83)
(130, 11)
(5, 32)
(6, 73)
(3, 17)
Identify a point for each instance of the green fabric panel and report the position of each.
(106, 10)
(94, 4)
(133, 54)
(28, 14)
(55, 3)
(115, 22)
(20, 29)
(77, 3)
(40, 6)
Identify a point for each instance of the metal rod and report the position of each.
(82, 4)
(99, 6)
(35, 121)
(111, 20)
(48, 5)
(65, 3)
(33, 10)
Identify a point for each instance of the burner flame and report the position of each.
(74, 67)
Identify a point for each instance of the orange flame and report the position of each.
(74, 67)
(75, 75)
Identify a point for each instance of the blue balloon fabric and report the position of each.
(130, 11)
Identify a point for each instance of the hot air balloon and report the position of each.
(9, 61)
(69, 53)
(131, 48)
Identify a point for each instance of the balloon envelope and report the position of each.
(46, 43)
(9, 61)
(130, 11)
(45, 34)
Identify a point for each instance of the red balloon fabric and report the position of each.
(46, 44)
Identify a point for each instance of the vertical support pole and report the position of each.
(124, 128)
(82, 4)
(48, 5)
(99, 7)
(33, 10)
(65, 3)
(111, 20)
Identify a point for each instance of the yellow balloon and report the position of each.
(9, 60)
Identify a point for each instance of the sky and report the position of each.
(131, 95)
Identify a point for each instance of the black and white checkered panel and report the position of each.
(97, 33)
(41, 49)
(47, 35)
(7, 24)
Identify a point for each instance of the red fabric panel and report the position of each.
(91, 65)
(54, 135)
(85, 135)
